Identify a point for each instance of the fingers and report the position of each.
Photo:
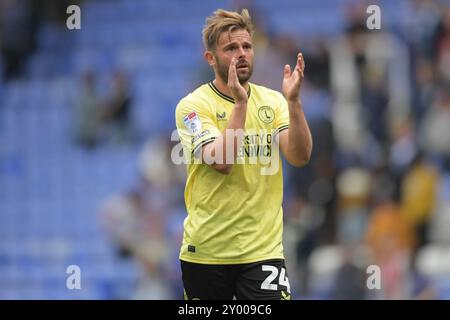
(301, 61)
(299, 67)
(300, 72)
(232, 73)
(237, 91)
(300, 64)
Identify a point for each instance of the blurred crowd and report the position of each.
(20, 22)
(378, 103)
(381, 147)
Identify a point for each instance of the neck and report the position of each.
(222, 86)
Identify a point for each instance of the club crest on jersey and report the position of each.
(266, 114)
(192, 123)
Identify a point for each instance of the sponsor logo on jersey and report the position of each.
(221, 116)
(200, 135)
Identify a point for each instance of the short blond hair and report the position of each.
(223, 20)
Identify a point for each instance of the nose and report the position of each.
(241, 53)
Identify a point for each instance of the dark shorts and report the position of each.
(264, 280)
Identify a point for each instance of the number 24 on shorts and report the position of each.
(283, 279)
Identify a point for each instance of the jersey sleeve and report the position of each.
(282, 115)
(196, 126)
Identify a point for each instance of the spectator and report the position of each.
(435, 124)
(350, 278)
(138, 232)
(17, 35)
(391, 240)
(117, 108)
(87, 114)
(419, 196)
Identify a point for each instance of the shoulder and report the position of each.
(197, 100)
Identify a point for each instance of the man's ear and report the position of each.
(209, 57)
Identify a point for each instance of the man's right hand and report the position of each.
(237, 90)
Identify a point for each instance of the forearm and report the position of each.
(299, 145)
(222, 153)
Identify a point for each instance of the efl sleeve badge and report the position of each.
(192, 123)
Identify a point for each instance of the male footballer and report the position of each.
(231, 131)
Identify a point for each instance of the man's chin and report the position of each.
(244, 78)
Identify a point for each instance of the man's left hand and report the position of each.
(292, 80)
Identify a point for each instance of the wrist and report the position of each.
(241, 104)
(294, 103)
(292, 97)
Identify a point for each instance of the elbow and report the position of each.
(301, 160)
(298, 163)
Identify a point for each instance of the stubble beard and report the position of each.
(223, 72)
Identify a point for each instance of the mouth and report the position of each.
(242, 67)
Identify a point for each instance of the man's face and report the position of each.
(236, 43)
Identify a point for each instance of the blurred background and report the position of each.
(86, 119)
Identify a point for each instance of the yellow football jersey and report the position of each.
(235, 218)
